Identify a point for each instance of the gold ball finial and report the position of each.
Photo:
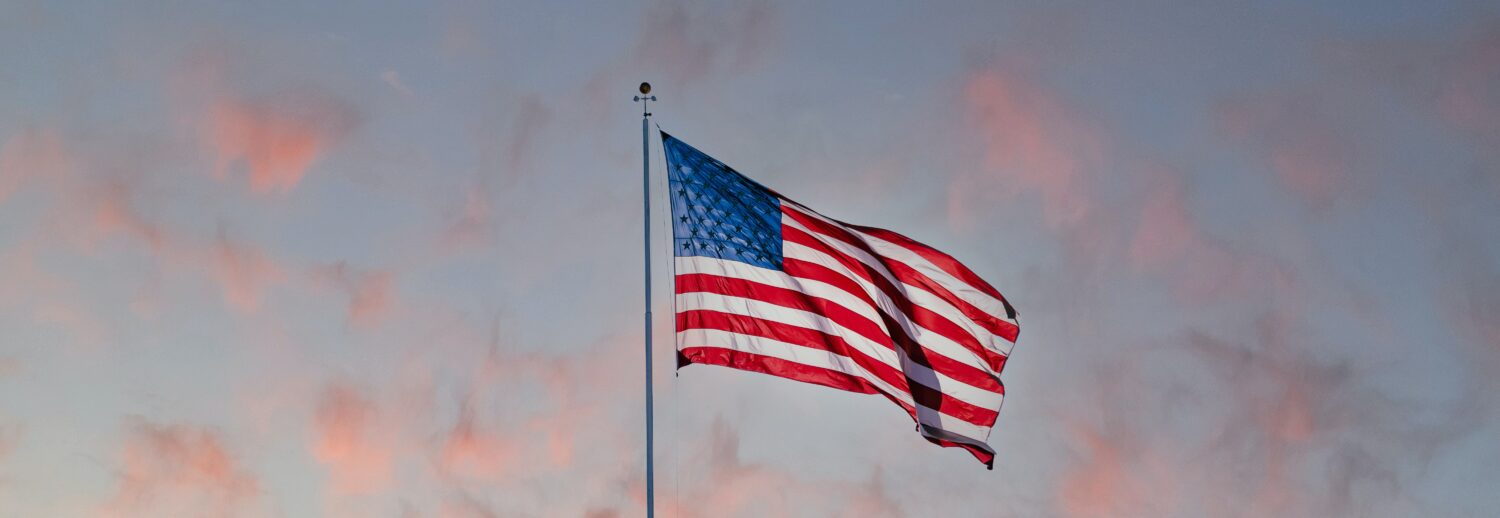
(645, 88)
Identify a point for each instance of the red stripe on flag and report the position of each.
(897, 335)
(1001, 328)
(943, 261)
(810, 338)
(923, 395)
(775, 367)
(984, 455)
(687, 283)
(907, 274)
(921, 316)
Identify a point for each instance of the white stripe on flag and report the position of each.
(917, 295)
(793, 317)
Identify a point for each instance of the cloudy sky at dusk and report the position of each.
(294, 259)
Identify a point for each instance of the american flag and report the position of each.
(765, 284)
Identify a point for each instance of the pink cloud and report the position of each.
(470, 451)
(114, 213)
(1118, 469)
(1262, 424)
(1286, 403)
(480, 447)
(179, 470)
(1110, 480)
(369, 292)
(870, 499)
(351, 441)
(243, 272)
(1166, 231)
(90, 209)
(1033, 143)
(277, 138)
(725, 485)
(1167, 238)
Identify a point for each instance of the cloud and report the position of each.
(1448, 79)
(180, 470)
(371, 439)
(1168, 240)
(1254, 425)
(1110, 479)
(243, 271)
(725, 485)
(369, 292)
(486, 445)
(1032, 143)
(870, 499)
(1243, 410)
(352, 441)
(733, 487)
(1284, 400)
(1166, 231)
(96, 210)
(276, 138)
(91, 204)
(470, 451)
(1116, 470)
(527, 424)
(1304, 144)
(1036, 146)
(114, 213)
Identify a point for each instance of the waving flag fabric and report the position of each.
(767, 285)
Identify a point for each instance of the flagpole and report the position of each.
(645, 99)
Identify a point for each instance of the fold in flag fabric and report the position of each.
(767, 285)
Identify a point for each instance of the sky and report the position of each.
(340, 259)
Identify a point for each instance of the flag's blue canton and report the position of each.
(716, 212)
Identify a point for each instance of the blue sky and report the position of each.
(284, 259)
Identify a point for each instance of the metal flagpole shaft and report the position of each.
(645, 99)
